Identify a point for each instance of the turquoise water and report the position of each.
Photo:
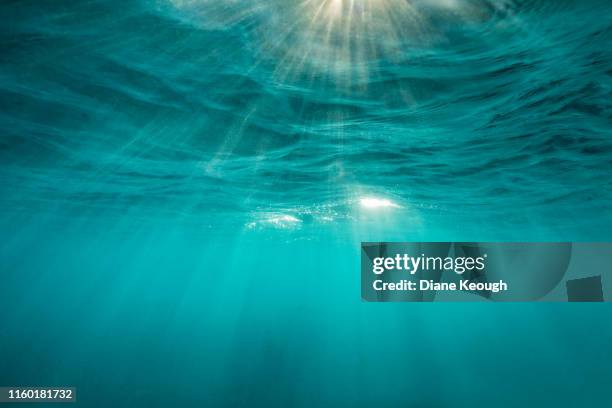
(184, 185)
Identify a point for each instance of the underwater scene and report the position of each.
(185, 185)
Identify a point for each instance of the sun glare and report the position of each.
(373, 203)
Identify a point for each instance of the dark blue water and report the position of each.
(184, 185)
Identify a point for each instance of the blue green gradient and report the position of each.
(180, 201)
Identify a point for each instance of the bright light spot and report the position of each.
(373, 203)
(283, 219)
(280, 221)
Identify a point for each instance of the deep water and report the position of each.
(184, 185)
